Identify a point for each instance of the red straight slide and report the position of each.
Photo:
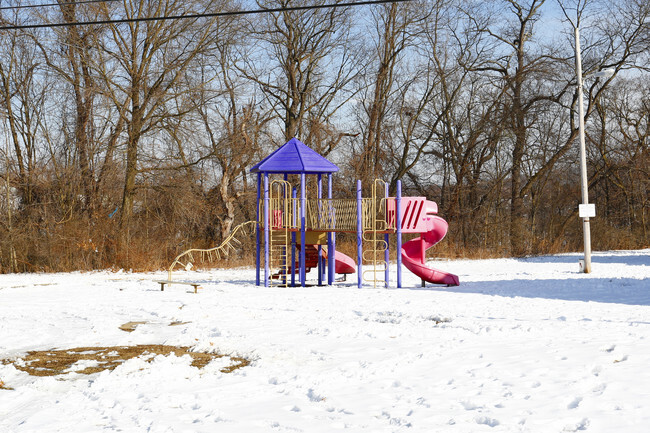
(433, 229)
(343, 264)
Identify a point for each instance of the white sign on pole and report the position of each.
(587, 210)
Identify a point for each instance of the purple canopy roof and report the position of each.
(294, 157)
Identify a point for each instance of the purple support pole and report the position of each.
(387, 252)
(331, 240)
(359, 235)
(398, 223)
(293, 241)
(303, 201)
(320, 248)
(257, 232)
(266, 230)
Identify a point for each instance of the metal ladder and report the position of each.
(373, 236)
(279, 234)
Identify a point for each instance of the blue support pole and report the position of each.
(398, 223)
(303, 202)
(387, 252)
(257, 231)
(266, 229)
(293, 240)
(331, 240)
(359, 235)
(320, 248)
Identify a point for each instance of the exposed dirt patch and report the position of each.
(130, 326)
(96, 359)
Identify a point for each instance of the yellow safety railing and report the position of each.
(203, 255)
(332, 215)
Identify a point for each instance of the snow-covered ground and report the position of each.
(527, 345)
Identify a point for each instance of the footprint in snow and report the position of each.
(468, 405)
(579, 426)
(486, 421)
(574, 403)
(314, 397)
(599, 389)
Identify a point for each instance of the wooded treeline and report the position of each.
(125, 143)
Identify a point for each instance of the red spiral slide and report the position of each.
(418, 216)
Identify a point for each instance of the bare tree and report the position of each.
(620, 138)
(234, 123)
(395, 30)
(141, 67)
(22, 96)
(305, 62)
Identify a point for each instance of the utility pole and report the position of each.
(583, 160)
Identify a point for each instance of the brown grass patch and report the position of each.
(55, 362)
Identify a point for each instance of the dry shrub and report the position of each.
(607, 237)
(56, 233)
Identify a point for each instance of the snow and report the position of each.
(522, 345)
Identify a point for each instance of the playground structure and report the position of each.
(290, 225)
(297, 233)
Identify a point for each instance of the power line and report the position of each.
(45, 5)
(203, 15)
